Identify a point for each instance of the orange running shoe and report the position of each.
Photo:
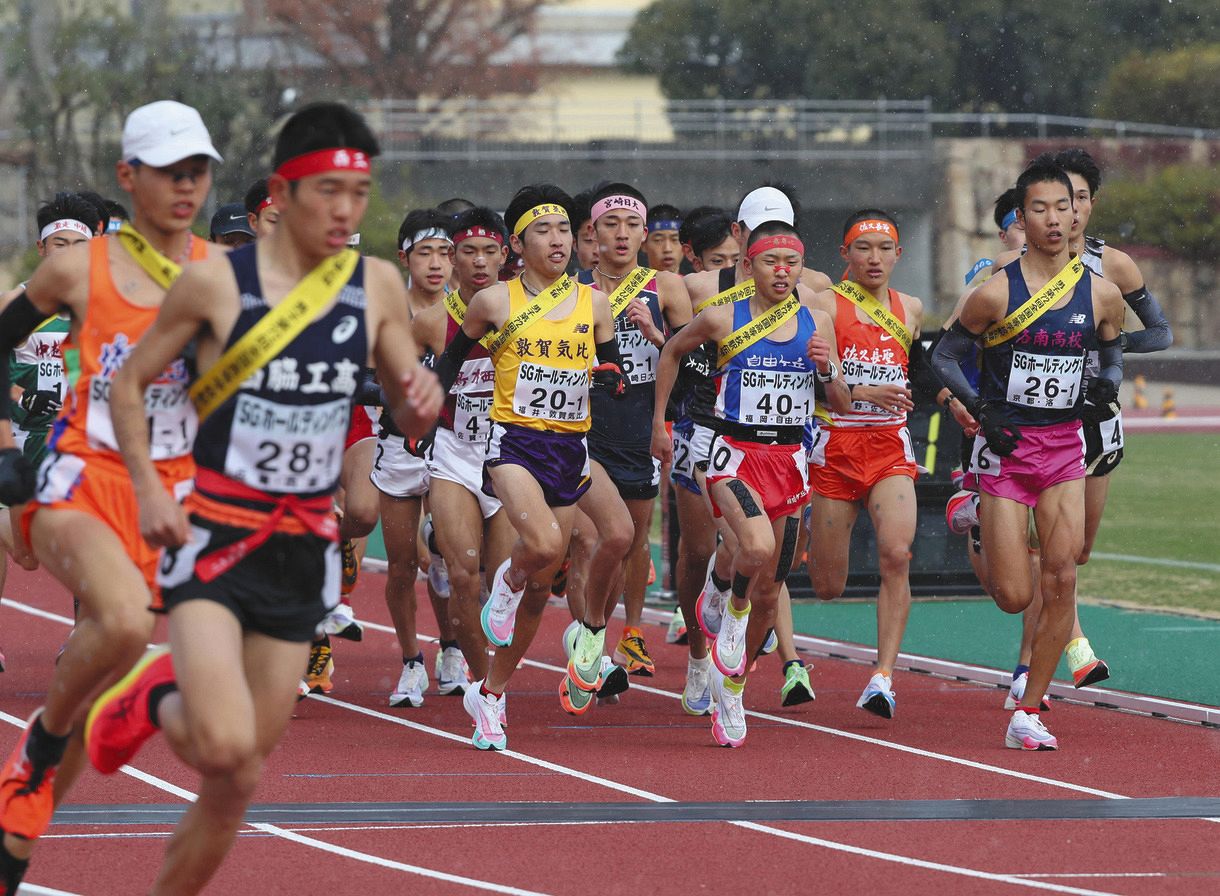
(351, 566)
(26, 786)
(119, 722)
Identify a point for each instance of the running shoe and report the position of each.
(769, 645)
(411, 685)
(878, 697)
(119, 722)
(341, 622)
(632, 654)
(321, 667)
(485, 709)
(676, 633)
(1086, 668)
(12, 871)
(573, 698)
(652, 572)
(499, 614)
(796, 689)
(729, 649)
(962, 512)
(452, 673)
(728, 712)
(1026, 732)
(1, 660)
(26, 786)
(1016, 692)
(351, 566)
(559, 583)
(614, 682)
(697, 695)
(709, 608)
(585, 663)
(438, 572)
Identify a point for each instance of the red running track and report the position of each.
(946, 743)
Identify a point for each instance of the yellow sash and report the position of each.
(629, 289)
(273, 332)
(1039, 303)
(739, 340)
(160, 268)
(868, 303)
(744, 290)
(542, 305)
(457, 310)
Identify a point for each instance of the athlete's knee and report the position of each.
(402, 570)
(753, 550)
(359, 519)
(544, 544)
(1083, 557)
(1010, 599)
(125, 628)
(227, 752)
(894, 558)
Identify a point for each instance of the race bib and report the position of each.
(177, 564)
(1111, 434)
(286, 448)
(1045, 381)
(172, 422)
(470, 420)
(684, 460)
(984, 461)
(551, 393)
(50, 375)
(639, 356)
(775, 398)
(858, 373)
(816, 455)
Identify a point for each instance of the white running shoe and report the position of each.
(729, 649)
(1026, 732)
(1016, 692)
(341, 622)
(878, 697)
(499, 614)
(411, 686)
(486, 711)
(676, 632)
(438, 572)
(709, 608)
(962, 512)
(728, 714)
(697, 695)
(452, 673)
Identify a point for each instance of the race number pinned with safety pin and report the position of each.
(984, 461)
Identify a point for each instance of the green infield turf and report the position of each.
(1158, 541)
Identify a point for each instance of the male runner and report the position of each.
(865, 454)
(83, 522)
(771, 347)
(230, 226)
(545, 333)
(1037, 324)
(472, 532)
(260, 212)
(662, 245)
(707, 240)
(584, 241)
(426, 253)
(644, 303)
(252, 571)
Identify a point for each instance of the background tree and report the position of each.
(1176, 87)
(1176, 208)
(407, 49)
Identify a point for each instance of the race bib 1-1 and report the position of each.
(551, 393)
(1050, 382)
(295, 449)
(172, 422)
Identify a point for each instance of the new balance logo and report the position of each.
(1076, 319)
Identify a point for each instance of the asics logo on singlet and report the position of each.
(343, 330)
(1076, 319)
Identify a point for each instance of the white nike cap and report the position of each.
(765, 204)
(165, 132)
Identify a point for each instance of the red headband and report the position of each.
(323, 161)
(470, 232)
(776, 242)
(266, 203)
(871, 225)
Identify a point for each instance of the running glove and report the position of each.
(16, 477)
(1000, 433)
(1102, 401)
(40, 403)
(609, 377)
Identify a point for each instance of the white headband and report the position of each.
(65, 224)
(431, 233)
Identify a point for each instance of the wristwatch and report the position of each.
(949, 399)
(828, 376)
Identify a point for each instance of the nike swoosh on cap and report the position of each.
(237, 217)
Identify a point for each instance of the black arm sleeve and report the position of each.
(1156, 335)
(368, 391)
(608, 353)
(953, 348)
(449, 364)
(1110, 357)
(18, 320)
(924, 381)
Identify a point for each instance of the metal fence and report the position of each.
(555, 129)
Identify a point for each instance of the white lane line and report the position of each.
(36, 890)
(1156, 561)
(312, 842)
(618, 787)
(1100, 874)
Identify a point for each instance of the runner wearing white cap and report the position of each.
(84, 523)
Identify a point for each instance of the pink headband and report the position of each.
(618, 203)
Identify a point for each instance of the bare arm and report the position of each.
(709, 325)
(412, 391)
(824, 352)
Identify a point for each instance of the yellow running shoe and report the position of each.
(632, 654)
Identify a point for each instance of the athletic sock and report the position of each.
(43, 747)
(594, 628)
(445, 645)
(739, 614)
(734, 686)
(1021, 669)
(718, 583)
(155, 696)
(741, 584)
(488, 692)
(418, 658)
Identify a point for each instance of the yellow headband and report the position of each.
(535, 213)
